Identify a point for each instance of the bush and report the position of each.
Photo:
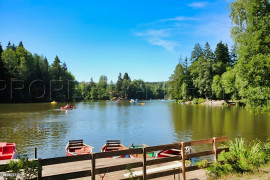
(28, 169)
(201, 100)
(195, 100)
(241, 158)
(217, 170)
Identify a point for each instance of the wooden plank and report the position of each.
(75, 147)
(163, 160)
(162, 147)
(93, 167)
(158, 174)
(39, 171)
(65, 159)
(192, 168)
(199, 142)
(118, 167)
(75, 144)
(71, 175)
(183, 161)
(223, 149)
(164, 173)
(144, 163)
(35, 152)
(221, 139)
(118, 153)
(205, 153)
(76, 141)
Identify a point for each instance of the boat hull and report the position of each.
(149, 154)
(109, 146)
(8, 151)
(171, 152)
(77, 147)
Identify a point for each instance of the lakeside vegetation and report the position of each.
(242, 158)
(241, 74)
(27, 77)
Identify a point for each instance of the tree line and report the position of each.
(241, 74)
(27, 77)
(124, 88)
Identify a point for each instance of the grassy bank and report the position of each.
(244, 160)
(262, 172)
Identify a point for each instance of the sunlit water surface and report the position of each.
(156, 122)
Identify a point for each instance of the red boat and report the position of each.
(77, 147)
(113, 145)
(68, 107)
(171, 152)
(8, 151)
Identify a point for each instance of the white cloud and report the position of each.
(155, 33)
(169, 45)
(198, 4)
(178, 18)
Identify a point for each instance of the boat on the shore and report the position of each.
(8, 151)
(77, 147)
(171, 152)
(149, 154)
(68, 107)
(53, 102)
(113, 145)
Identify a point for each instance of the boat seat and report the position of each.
(169, 155)
(76, 147)
(178, 150)
(113, 147)
(113, 142)
(75, 144)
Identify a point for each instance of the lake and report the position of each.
(156, 122)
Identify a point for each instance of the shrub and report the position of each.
(28, 169)
(241, 158)
(195, 100)
(201, 100)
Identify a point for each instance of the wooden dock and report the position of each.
(104, 162)
(101, 165)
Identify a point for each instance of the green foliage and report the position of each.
(195, 100)
(241, 158)
(217, 170)
(251, 37)
(202, 164)
(28, 169)
(35, 75)
(201, 100)
(217, 87)
(242, 73)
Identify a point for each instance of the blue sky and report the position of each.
(143, 38)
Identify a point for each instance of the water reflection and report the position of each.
(49, 128)
(198, 122)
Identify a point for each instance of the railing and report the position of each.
(144, 163)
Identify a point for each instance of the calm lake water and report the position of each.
(48, 128)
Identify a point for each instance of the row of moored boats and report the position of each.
(78, 147)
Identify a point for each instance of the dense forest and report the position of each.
(241, 74)
(26, 77)
(123, 88)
